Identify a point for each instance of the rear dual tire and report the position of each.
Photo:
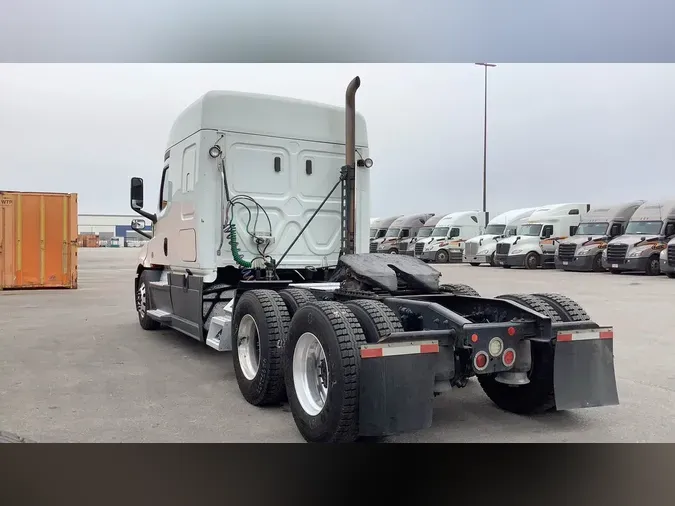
(311, 359)
(259, 330)
(324, 397)
(538, 396)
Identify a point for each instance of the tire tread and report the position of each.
(277, 320)
(567, 307)
(460, 289)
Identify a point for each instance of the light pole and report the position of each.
(487, 216)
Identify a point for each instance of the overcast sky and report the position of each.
(556, 133)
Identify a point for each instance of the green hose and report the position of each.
(233, 247)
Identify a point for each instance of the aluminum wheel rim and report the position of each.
(655, 265)
(310, 374)
(248, 347)
(141, 303)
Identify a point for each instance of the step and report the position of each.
(159, 315)
(219, 336)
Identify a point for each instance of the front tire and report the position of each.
(322, 359)
(259, 329)
(531, 260)
(442, 257)
(493, 262)
(597, 263)
(142, 290)
(475, 264)
(653, 267)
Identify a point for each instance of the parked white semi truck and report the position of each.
(648, 232)
(422, 233)
(583, 250)
(401, 231)
(535, 241)
(446, 242)
(378, 230)
(481, 249)
(260, 248)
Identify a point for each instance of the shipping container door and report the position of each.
(28, 245)
(6, 241)
(43, 245)
(72, 240)
(55, 240)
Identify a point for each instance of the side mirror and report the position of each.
(136, 200)
(136, 196)
(138, 226)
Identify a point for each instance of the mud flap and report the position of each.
(396, 387)
(583, 374)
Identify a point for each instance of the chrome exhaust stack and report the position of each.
(349, 170)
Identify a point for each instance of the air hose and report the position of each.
(235, 250)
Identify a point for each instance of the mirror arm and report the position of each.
(144, 234)
(152, 217)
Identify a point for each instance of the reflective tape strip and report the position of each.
(585, 335)
(389, 350)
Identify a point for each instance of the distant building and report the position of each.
(112, 228)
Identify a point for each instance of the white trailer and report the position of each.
(481, 249)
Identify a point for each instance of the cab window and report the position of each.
(670, 229)
(405, 233)
(164, 189)
(547, 231)
(454, 232)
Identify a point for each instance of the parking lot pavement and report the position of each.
(75, 366)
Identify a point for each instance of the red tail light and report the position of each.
(509, 357)
(480, 361)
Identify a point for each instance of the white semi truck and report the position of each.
(481, 249)
(648, 232)
(260, 248)
(536, 240)
(446, 242)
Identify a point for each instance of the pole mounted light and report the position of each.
(485, 66)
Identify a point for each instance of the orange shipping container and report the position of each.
(38, 240)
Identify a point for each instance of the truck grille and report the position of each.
(503, 248)
(419, 248)
(373, 247)
(671, 256)
(616, 253)
(566, 251)
(470, 248)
